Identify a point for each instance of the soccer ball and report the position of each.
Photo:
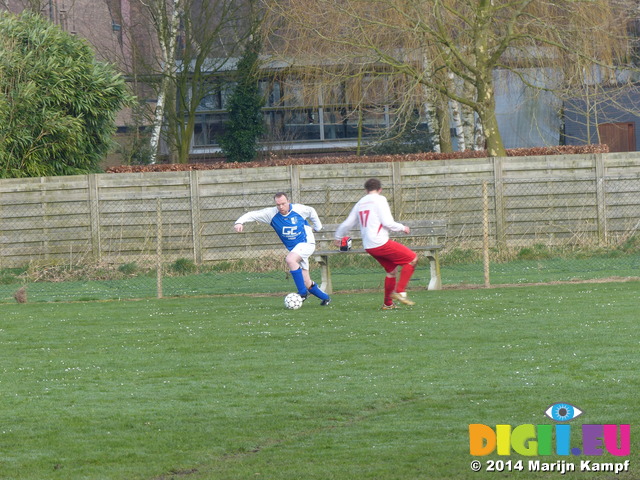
(293, 301)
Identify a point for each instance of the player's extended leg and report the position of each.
(406, 273)
(314, 289)
(399, 254)
(293, 262)
(391, 269)
(390, 286)
(298, 262)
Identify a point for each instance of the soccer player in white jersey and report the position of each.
(373, 215)
(291, 222)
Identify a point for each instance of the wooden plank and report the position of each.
(26, 224)
(418, 172)
(61, 235)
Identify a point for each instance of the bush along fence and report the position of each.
(511, 220)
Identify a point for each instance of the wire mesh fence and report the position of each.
(535, 230)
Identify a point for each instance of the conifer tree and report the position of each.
(245, 125)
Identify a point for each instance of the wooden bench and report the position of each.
(426, 238)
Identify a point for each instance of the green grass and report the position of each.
(354, 272)
(239, 387)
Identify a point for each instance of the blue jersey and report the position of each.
(292, 228)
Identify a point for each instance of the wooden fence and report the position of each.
(118, 218)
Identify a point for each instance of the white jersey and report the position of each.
(373, 215)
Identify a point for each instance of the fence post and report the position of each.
(294, 175)
(396, 182)
(485, 233)
(159, 247)
(194, 189)
(501, 238)
(94, 215)
(1, 233)
(601, 210)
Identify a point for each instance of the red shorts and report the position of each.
(392, 254)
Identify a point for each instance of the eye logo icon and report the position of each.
(562, 412)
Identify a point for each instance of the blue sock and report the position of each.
(315, 289)
(299, 281)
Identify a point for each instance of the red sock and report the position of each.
(405, 276)
(389, 286)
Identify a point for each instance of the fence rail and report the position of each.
(115, 220)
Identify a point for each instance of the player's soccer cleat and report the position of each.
(325, 302)
(304, 297)
(402, 298)
(393, 306)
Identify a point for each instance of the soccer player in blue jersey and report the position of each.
(291, 222)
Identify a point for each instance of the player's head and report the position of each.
(282, 202)
(372, 185)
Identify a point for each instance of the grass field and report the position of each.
(357, 272)
(240, 388)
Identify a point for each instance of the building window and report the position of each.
(208, 129)
(292, 113)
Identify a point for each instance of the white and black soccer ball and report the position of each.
(293, 301)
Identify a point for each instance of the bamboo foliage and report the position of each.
(57, 104)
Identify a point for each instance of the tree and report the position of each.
(240, 140)
(57, 104)
(196, 40)
(166, 18)
(450, 49)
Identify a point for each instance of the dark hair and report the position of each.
(280, 194)
(372, 184)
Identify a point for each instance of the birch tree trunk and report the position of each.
(456, 117)
(168, 29)
(433, 127)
